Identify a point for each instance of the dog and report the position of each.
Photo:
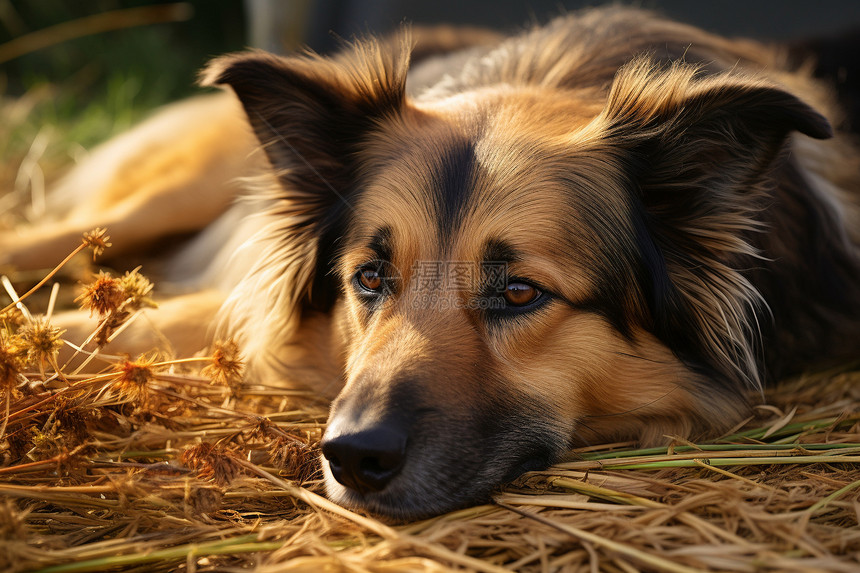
(610, 227)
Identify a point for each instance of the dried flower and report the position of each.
(296, 460)
(213, 462)
(264, 428)
(11, 320)
(104, 295)
(48, 441)
(18, 443)
(227, 366)
(46, 444)
(11, 360)
(71, 421)
(41, 342)
(133, 380)
(136, 289)
(115, 300)
(97, 240)
(51, 443)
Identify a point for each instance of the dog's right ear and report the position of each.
(309, 112)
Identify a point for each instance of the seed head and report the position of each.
(11, 320)
(41, 342)
(104, 295)
(18, 443)
(213, 462)
(133, 379)
(97, 240)
(227, 366)
(71, 420)
(48, 441)
(263, 428)
(296, 460)
(12, 360)
(136, 289)
(115, 299)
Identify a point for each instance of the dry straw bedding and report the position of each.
(156, 464)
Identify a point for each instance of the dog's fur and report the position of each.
(676, 197)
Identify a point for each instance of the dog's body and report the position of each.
(605, 228)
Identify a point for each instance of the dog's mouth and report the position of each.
(430, 469)
(529, 464)
(416, 497)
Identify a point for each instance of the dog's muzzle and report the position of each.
(393, 450)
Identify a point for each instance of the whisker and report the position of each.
(628, 355)
(631, 410)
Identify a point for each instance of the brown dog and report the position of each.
(610, 227)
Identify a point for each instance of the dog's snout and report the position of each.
(368, 460)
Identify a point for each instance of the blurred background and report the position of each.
(74, 73)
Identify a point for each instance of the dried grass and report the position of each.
(162, 465)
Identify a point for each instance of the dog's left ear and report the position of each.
(735, 122)
(697, 151)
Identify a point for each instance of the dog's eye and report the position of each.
(369, 279)
(520, 294)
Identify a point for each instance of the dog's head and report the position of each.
(515, 268)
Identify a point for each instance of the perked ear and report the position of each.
(717, 118)
(309, 111)
(310, 114)
(698, 151)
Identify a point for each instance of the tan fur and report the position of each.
(173, 174)
(668, 192)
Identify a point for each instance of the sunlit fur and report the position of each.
(632, 166)
(678, 197)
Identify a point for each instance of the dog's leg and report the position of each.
(179, 327)
(174, 173)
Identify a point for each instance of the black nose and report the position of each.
(368, 460)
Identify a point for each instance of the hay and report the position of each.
(157, 464)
